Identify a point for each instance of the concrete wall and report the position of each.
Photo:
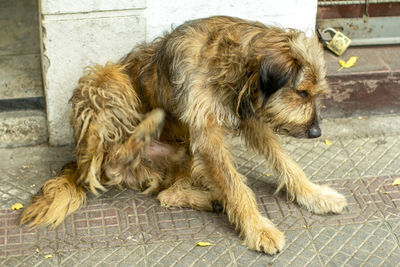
(80, 33)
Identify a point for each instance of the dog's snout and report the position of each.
(314, 131)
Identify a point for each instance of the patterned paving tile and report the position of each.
(18, 184)
(394, 227)
(116, 256)
(298, 251)
(369, 199)
(37, 259)
(368, 244)
(167, 253)
(186, 253)
(43, 154)
(375, 156)
(284, 213)
(138, 219)
(24, 170)
(385, 195)
(121, 227)
(319, 161)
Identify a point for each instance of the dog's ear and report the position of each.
(275, 72)
(245, 109)
(244, 106)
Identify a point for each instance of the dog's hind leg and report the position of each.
(316, 198)
(123, 162)
(183, 194)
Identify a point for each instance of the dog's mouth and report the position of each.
(287, 132)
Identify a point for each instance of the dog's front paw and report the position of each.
(267, 239)
(323, 199)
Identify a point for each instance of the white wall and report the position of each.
(162, 14)
(79, 33)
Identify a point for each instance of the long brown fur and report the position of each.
(205, 81)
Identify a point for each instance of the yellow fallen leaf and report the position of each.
(347, 64)
(396, 181)
(37, 250)
(267, 174)
(328, 143)
(204, 244)
(48, 256)
(17, 206)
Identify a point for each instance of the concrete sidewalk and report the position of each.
(124, 228)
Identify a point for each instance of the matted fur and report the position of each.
(205, 81)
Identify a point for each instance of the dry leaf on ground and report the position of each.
(204, 244)
(328, 143)
(396, 181)
(347, 64)
(17, 206)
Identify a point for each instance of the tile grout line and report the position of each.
(372, 252)
(390, 229)
(231, 254)
(311, 244)
(369, 235)
(109, 255)
(330, 240)
(326, 163)
(383, 219)
(354, 165)
(380, 156)
(390, 162)
(140, 246)
(309, 235)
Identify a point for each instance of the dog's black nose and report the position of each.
(314, 131)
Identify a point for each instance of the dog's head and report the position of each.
(291, 79)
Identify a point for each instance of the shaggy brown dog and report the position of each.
(205, 81)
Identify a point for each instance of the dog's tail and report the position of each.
(58, 198)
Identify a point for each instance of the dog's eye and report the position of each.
(302, 94)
